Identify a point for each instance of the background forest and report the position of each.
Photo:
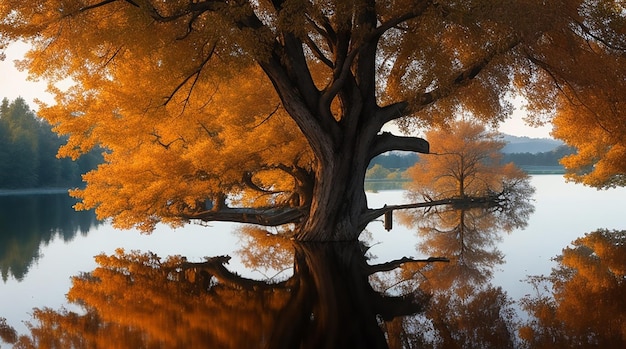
(392, 166)
(28, 149)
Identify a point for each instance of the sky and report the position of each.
(14, 83)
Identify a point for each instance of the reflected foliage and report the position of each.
(334, 299)
(263, 251)
(7, 333)
(581, 303)
(28, 221)
(466, 311)
(139, 300)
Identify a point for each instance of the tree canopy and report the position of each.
(269, 112)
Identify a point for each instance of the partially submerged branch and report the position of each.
(468, 201)
(214, 267)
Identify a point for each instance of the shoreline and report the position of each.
(33, 191)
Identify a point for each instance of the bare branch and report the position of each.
(372, 214)
(391, 265)
(268, 117)
(261, 216)
(386, 142)
(96, 5)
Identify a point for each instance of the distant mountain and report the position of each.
(517, 144)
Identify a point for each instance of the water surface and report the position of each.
(44, 244)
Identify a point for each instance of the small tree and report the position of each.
(377, 172)
(465, 164)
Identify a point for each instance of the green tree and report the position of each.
(278, 106)
(28, 150)
(377, 172)
(21, 154)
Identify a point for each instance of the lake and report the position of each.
(44, 244)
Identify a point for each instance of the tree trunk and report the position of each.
(338, 200)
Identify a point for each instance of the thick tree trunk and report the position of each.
(338, 201)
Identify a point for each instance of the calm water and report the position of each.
(43, 244)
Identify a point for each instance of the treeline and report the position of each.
(391, 166)
(549, 158)
(395, 161)
(28, 150)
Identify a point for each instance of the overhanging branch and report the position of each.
(392, 265)
(463, 77)
(387, 142)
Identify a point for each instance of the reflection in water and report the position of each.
(465, 310)
(468, 236)
(581, 304)
(28, 221)
(332, 298)
(138, 300)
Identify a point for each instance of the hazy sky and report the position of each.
(13, 84)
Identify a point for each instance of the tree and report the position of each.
(466, 165)
(21, 151)
(377, 172)
(588, 112)
(465, 310)
(269, 112)
(28, 151)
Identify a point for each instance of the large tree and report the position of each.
(269, 112)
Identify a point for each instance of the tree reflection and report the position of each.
(581, 304)
(465, 311)
(28, 221)
(468, 235)
(139, 300)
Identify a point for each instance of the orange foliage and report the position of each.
(586, 307)
(465, 162)
(240, 101)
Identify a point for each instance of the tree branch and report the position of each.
(386, 142)
(390, 112)
(391, 23)
(469, 201)
(214, 266)
(195, 74)
(259, 216)
(388, 266)
(463, 77)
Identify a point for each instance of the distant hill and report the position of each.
(517, 144)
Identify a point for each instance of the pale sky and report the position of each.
(13, 84)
